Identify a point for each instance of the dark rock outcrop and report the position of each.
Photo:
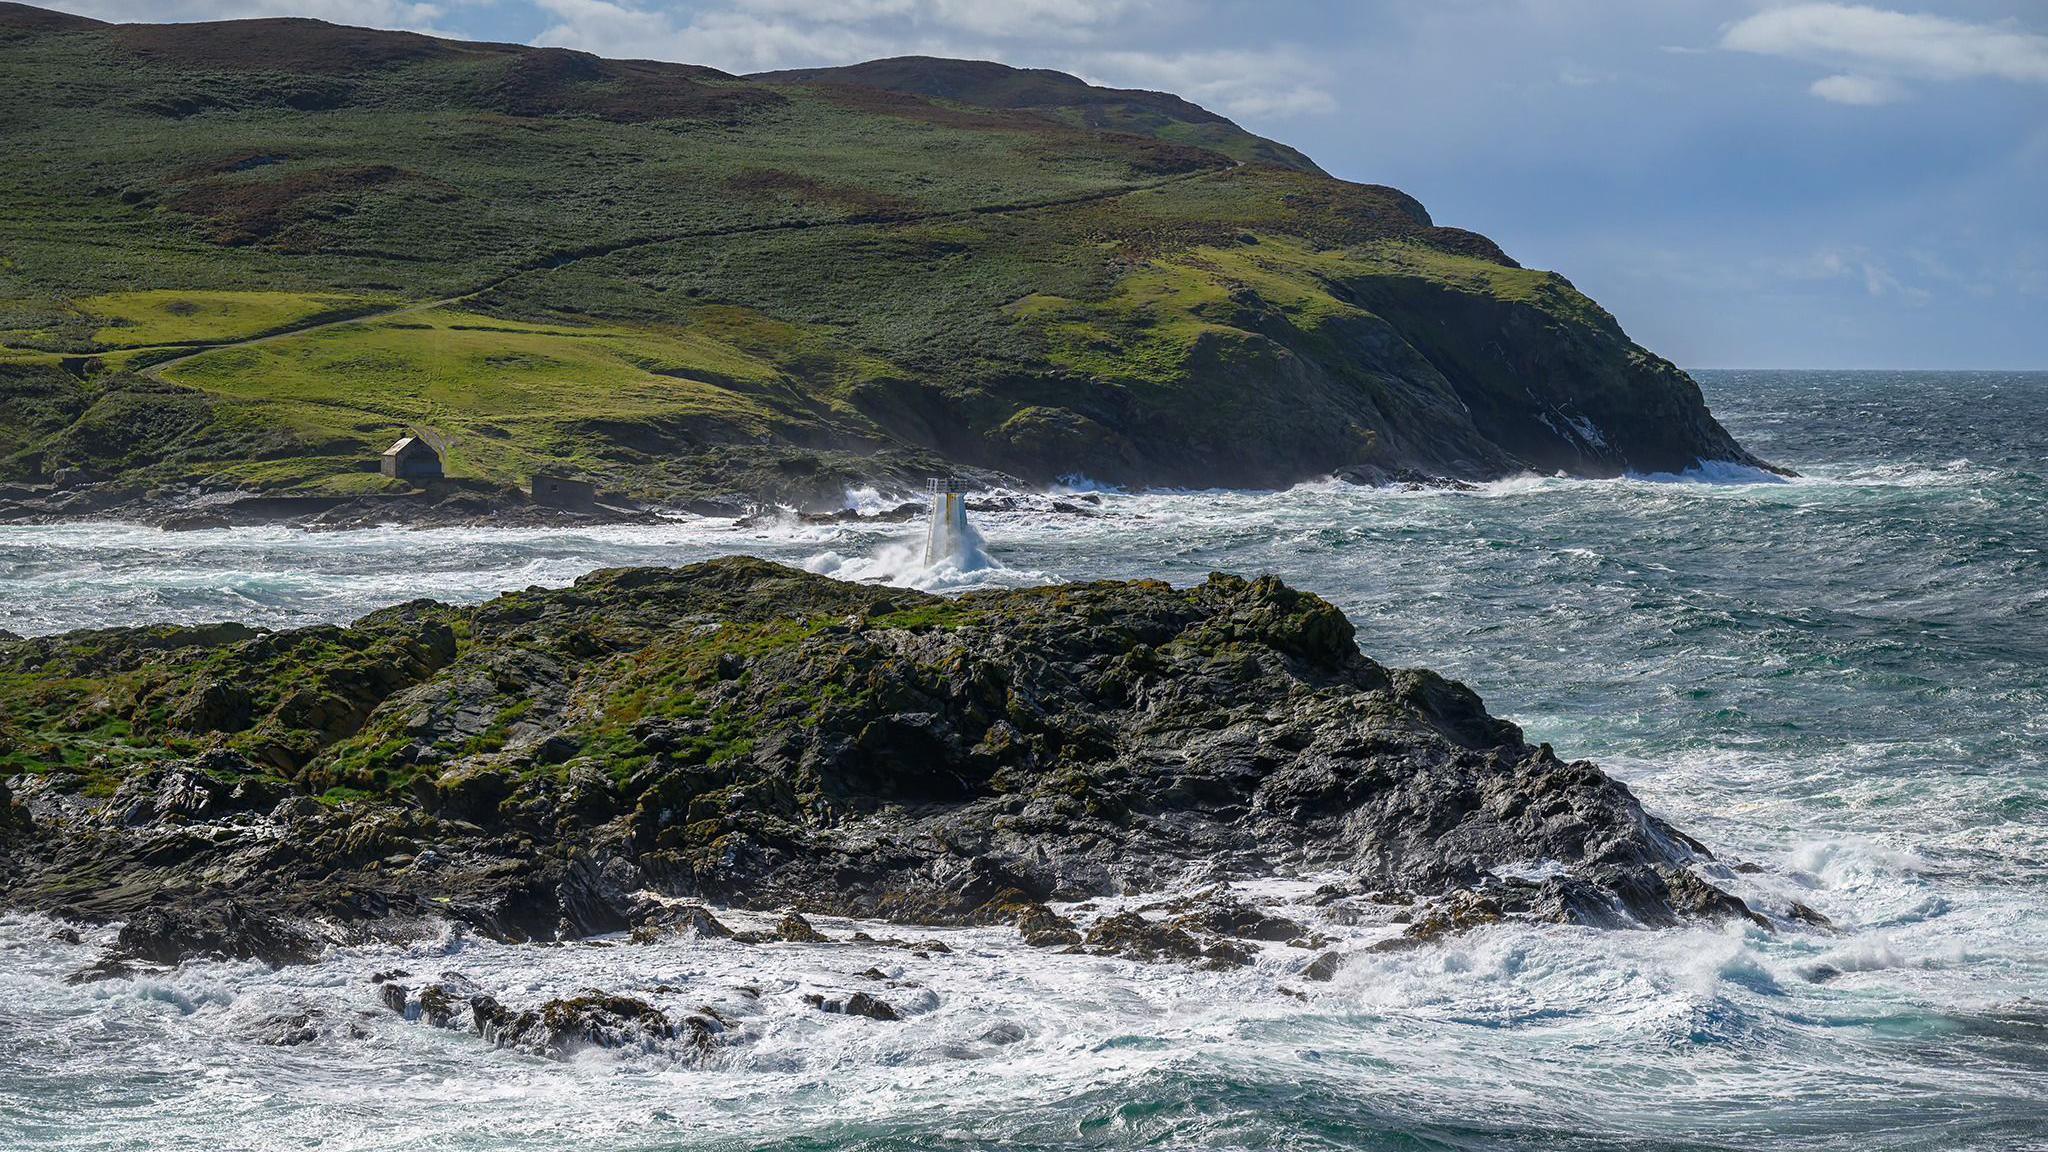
(225, 928)
(748, 735)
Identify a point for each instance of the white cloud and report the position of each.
(1065, 19)
(729, 39)
(1879, 47)
(1039, 18)
(1855, 266)
(758, 35)
(1823, 265)
(832, 11)
(1849, 88)
(1236, 82)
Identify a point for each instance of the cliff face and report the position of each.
(248, 255)
(758, 737)
(1554, 393)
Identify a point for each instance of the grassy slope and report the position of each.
(683, 282)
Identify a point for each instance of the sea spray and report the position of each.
(947, 537)
(950, 555)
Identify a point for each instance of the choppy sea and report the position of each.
(1842, 678)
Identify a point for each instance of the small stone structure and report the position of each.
(412, 458)
(553, 490)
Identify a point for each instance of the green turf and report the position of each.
(164, 316)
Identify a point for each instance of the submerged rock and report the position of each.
(1323, 968)
(857, 1004)
(1041, 927)
(689, 921)
(1002, 1034)
(108, 968)
(1132, 936)
(1461, 912)
(557, 1028)
(797, 930)
(287, 1030)
(1219, 914)
(745, 734)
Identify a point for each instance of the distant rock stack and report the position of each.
(946, 534)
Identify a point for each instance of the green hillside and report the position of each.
(1057, 96)
(246, 255)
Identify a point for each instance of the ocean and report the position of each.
(1841, 678)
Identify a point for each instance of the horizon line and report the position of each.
(1840, 368)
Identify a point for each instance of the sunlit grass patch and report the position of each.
(507, 396)
(176, 316)
(1145, 328)
(1543, 290)
(482, 367)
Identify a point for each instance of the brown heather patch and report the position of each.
(1339, 212)
(1162, 157)
(508, 120)
(848, 197)
(880, 102)
(556, 81)
(254, 211)
(1133, 234)
(241, 161)
(1143, 153)
(282, 45)
(1460, 242)
(24, 18)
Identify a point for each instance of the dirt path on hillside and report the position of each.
(563, 259)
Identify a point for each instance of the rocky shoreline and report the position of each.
(651, 750)
(477, 505)
(443, 506)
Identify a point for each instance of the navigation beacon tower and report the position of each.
(947, 532)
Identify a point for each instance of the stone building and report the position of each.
(412, 458)
(552, 490)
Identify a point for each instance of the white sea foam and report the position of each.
(992, 1031)
(1836, 682)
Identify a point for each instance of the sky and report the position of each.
(1743, 183)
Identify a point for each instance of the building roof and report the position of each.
(405, 444)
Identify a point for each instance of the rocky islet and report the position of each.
(652, 752)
